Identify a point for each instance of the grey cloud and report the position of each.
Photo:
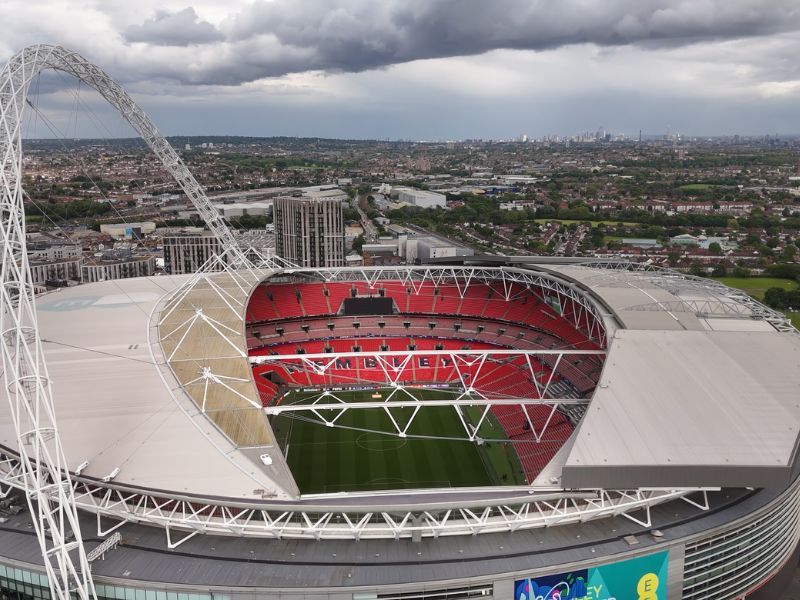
(355, 35)
(181, 28)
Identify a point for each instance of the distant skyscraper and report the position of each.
(309, 231)
(601, 133)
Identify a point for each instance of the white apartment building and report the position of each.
(309, 231)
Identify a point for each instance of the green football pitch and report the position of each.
(358, 455)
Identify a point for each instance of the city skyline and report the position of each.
(433, 70)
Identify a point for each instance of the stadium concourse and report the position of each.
(501, 428)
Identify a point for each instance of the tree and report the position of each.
(741, 271)
(719, 271)
(358, 243)
(789, 252)
(784, 271)
(697, 269)
(775, 297)
(714, 248)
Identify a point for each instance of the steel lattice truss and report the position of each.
(720, 301)
(183, 518)
(392, 380)
(42, 463)
(42, 470)
(396, 367)
(29, 62)
(578, 307)
(39, 468)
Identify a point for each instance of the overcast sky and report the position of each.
(424, 69)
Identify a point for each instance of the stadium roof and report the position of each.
(691, 408)
(116, 408)
(698, 390)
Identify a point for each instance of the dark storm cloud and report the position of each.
(181, 28)
(285, 36)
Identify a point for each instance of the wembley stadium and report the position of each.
(526, 428)
(443, 431)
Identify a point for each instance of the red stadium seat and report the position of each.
(481, 318)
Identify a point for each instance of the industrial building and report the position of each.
(128, 230)
(420, 198)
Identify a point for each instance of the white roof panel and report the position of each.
(675, 406)
(113, 408)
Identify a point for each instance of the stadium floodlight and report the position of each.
(111, 475)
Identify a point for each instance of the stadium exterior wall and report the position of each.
(746, 557)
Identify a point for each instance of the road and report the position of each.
(370, 231)
(242, 194)
(793, 591)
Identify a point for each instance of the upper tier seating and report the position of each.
(292, 317)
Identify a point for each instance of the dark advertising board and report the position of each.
(367, 306)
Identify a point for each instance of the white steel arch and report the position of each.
(15, 80)
(42, 464)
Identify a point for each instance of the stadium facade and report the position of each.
(520, 428)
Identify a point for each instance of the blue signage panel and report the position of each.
(643, 578)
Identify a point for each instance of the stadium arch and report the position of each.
(24, 371)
